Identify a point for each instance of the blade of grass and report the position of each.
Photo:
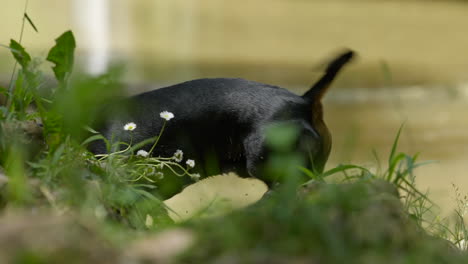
(11, 86)
(30, 22)
(143, 143)
(393, 164)
(377, 160)
(93, 138)
(341, 168)
(414, 189)
(395, 145)
(310, 174)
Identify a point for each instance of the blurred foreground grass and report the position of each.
(360, 222)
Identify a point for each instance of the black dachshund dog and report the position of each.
(221, 122)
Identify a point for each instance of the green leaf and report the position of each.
(93, 138)
(20, 54)
(62, 55)
(395, 145)
(281, 136)
(30, 22)
(310, 174)
(143, 143)
(394, 162)
(342, 168)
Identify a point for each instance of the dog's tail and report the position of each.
(318, 90)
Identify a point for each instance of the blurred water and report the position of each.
(435, 125)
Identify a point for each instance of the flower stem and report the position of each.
(157, 139)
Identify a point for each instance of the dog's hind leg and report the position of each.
(254, 151)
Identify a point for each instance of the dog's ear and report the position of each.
(318, 90)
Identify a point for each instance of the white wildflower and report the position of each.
(150, 171)
(462, 244)
(100, 212)
(166, 115)
(130, 126)
(101, 164)
(178, 155)
(142, 153)
(159, 166)
(149, 221)
(195, 176)
(190, 163)
(159, 175)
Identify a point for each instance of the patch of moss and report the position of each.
(361, 222)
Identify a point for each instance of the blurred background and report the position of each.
(412, 66)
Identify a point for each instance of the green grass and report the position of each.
(107, 208)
